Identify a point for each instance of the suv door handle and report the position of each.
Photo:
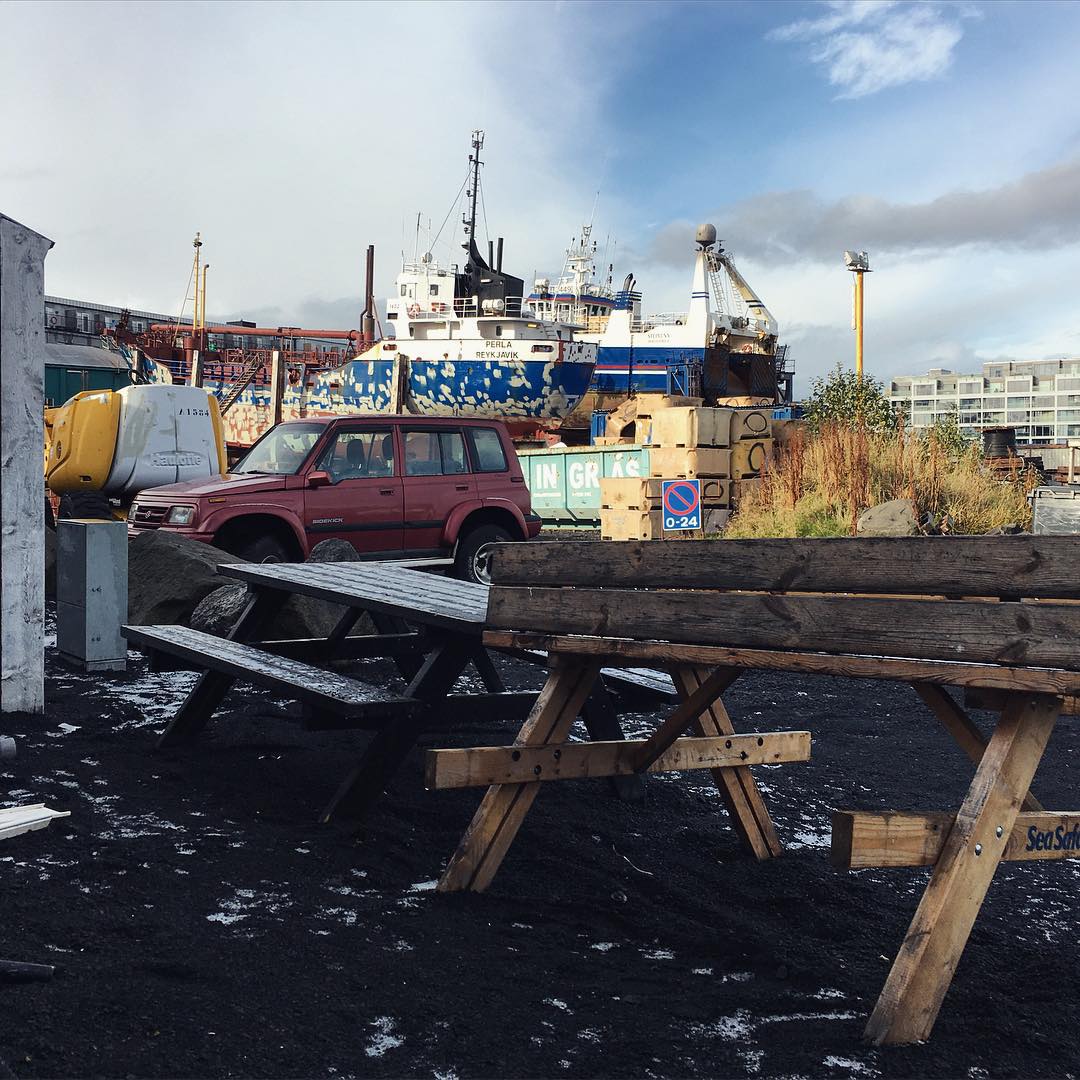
(461, 487)
(387, 491)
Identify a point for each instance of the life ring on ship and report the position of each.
(53, 320)
(414, 310)
(747, 348)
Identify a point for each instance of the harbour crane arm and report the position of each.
(758, 310)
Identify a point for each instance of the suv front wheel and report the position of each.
(473, 559)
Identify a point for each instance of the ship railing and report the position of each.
(664, 318)
(514, 307)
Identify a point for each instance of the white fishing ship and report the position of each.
(721, 347)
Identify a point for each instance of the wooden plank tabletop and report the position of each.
(413, 595)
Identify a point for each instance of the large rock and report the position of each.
(168, 575)
(301, 617)
(895, 518)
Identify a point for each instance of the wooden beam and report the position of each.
(994, 700)
(495, 824)
(864, 838)
(1041, 634)
(626, 652)
(483, 765)
(749, 816)
(962, 728)
(697, 700)
(1032, 566)
(920, 976)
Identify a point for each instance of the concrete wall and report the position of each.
(22, 485)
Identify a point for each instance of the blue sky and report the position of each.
(943, 138)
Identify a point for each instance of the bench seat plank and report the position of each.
(1033, 566)
(624, 651)
(321, 689)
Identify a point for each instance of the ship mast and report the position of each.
(469, 219)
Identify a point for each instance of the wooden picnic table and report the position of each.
(430, 626)
(998, 614)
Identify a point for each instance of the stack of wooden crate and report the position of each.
(725, 449)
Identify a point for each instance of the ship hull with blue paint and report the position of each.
(387, 379)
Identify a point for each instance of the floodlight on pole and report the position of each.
(858, 262)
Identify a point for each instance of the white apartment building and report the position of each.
(1040, 398)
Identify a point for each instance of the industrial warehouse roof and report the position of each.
(82, 356)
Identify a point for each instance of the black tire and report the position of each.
(86, 504)
(261, 549)
(470, 562)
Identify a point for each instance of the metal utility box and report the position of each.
(1056, 510)
(91, 593)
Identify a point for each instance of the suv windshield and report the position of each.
(282, 450)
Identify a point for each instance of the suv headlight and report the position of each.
(181, 515)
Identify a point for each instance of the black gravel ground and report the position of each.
(203, 925)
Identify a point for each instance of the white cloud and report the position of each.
(870, 45)
(292, 135)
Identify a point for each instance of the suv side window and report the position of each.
(359, 452)
(487, 450)
(434, 453)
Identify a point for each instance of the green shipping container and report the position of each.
(565, 482)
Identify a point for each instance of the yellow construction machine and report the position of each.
(102, 447)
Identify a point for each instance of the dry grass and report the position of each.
(819, 484)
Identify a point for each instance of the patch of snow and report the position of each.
(424, 886)
(558, 1003)
(658, 954)
(602, 946)
(857, 1068)
(384, 1038)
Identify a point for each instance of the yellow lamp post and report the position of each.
(858, 262)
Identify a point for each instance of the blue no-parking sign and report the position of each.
(682, 504)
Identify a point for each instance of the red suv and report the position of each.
(390, 486)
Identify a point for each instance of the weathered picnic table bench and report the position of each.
(995, 613)
(450, 615)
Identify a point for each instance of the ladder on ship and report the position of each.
(243, 381)
(723, 302)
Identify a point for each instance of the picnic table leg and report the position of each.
(602, 722)
(924, 967)
(491, 679)
(407, 665)
(495, 824)
(737, 786)
(962, 728)
(211, 686)
(390, 746)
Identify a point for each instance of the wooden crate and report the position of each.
(630, 525)
(739, 488)
(746, 458)
(649, 525)
(692, 427)
(643, 493)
